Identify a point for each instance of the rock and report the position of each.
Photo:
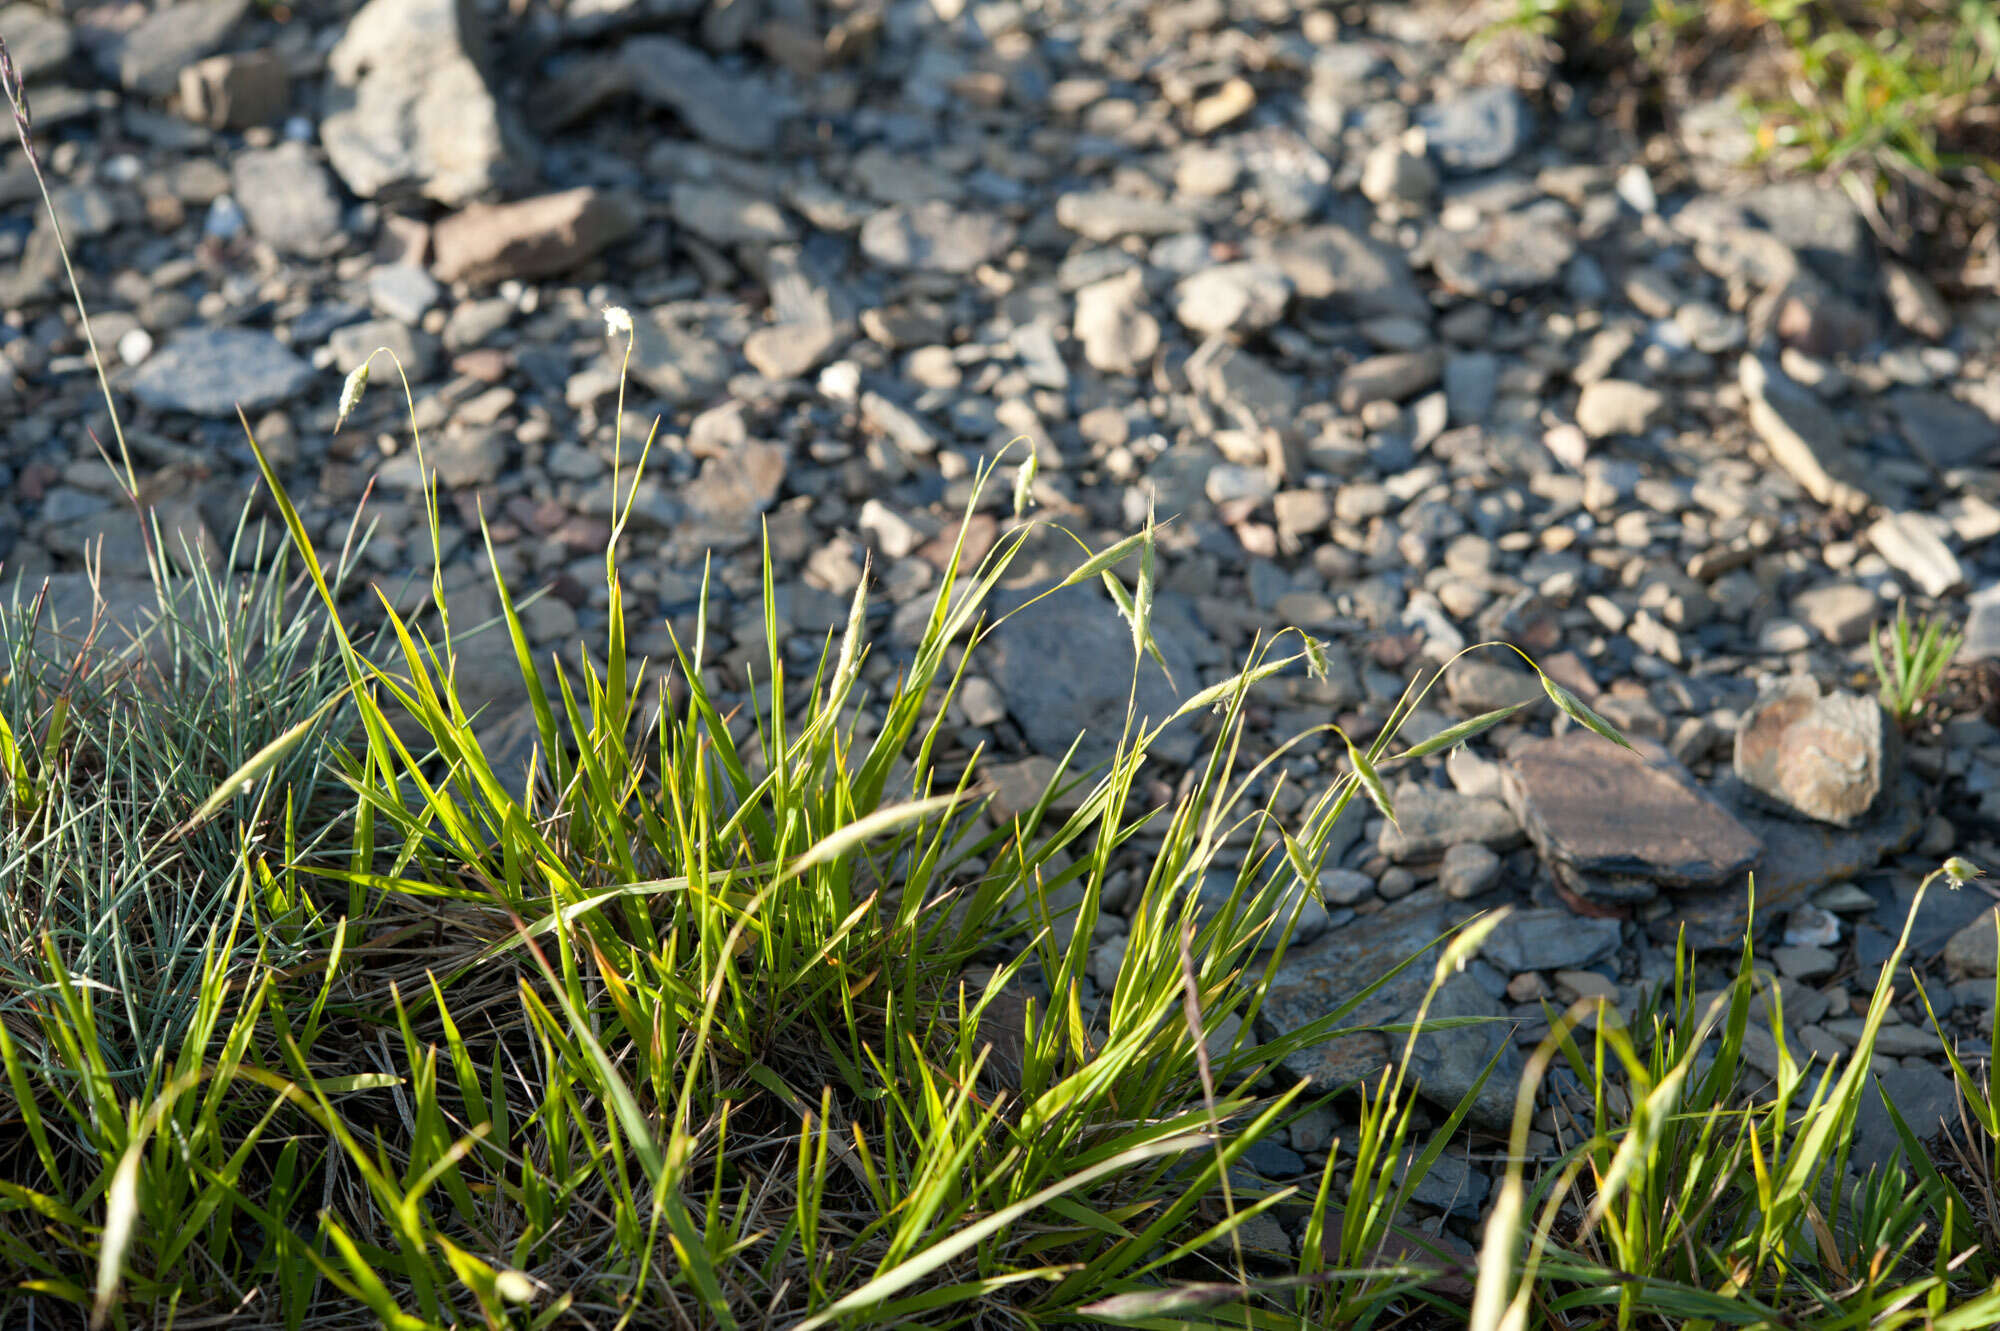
(1245, 297)
(675, 353)
(1609, 407)
(1804, 437)
(1105, 215)
(1233, 377)
(1944, 431)
(1819, 223)
(1826, 758)
(1316, 979)
(935, 237)
(39, 42)
(415, 351)
(725, 216)
(1391, 176)
(149, 58)
(213, 371)
(1913, 547)
(1596, 810)
(1843, 612)
(289, 200)
(793, 350)
(1358, 277)
(1394, 377)
(1508, 254)
(725, 502)
(110, 614)
(539, 237)
(1476, 130)
(402, 291)
(1429, 821)
(1112, 324)
(1982, 625)
(1926, 1098)
(1804, 963)
(1970, 955)
(461, 459)
(1468, 870)
(1555, 940)
(735, 112)
(1798, 858)
(594, 18)
(1915, 302)
(236, 91)
(408, 106)
(1064, 666)
(1480, 684)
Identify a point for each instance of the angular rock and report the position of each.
(738, 113)
(1233, 377)
(1064, 667)
(1244, 297)
(1913, 547)
(236, 91)
(793, 350)
(675, 353)
(1804, 437)
(935, 237)
(1111, 322)
(1617, 406)
(1597, 809)
(725, 216)
(213, 371)
(1826, 758)
(289, 200)
(725, 501)
(534, 238)
(413, 350)
(149, 58)
(1394, 377)
(38, 41)
(408, 106)
(1971, 954)
(1550, 940)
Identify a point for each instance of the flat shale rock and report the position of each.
(736, 112)
(1597, 809)
(1797, 859)
(1315, 979)
(1804, 436)
(1825, 758)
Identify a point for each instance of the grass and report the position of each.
(1915, 667)
(1902, 95)
(745, 1009)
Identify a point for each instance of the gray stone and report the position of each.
(236, 91)
(1394, 377)
(1315, 980)
(1826, 758)
(544, 236)
(1913, 547)
(935, 237)
(1970, 955)
(722, 215)
(1926, 1099)
(1429, 821)
(1478, 129)
(408, 106)
(1617, 406)
(1390, 175)
(415, 351)
(1065, 667)
(1233, 377)
(1596, 809)
(1468, 870)
(1550, 940)
(1507, 254)
(289, 200)
(1105, 215)
(1111, 321)
(1944, 431)
(1244, 297)
(736, 112)
(461, 459)
(38, 41)
(1915, 302)
(402, 291)
(1804, 437)
(148, 59)
(213, 371)
(1843, 612)
(1356, 276)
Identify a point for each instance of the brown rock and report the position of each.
(1608, 813)
(1822, 757)
(538, 237)
(236, 91)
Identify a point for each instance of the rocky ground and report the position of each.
(1411, 360)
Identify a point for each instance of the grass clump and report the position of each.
(1918, 659)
